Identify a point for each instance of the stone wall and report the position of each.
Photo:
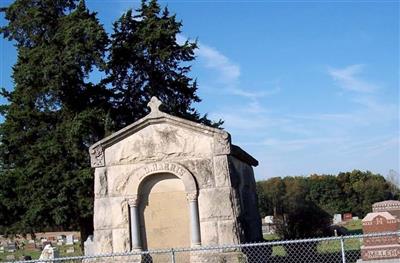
(245, 186)
(215, 175)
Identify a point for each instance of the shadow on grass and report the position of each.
(264, 254)
(354, 232)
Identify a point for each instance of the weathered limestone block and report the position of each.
(181, 179)
(103, 241)
(120, 242)
(100, 182)
(227, 232)
(208, 233)
(102, 220)
(202, 170)
(221, 171)
(121, 178)
(222, 143)
(215, 203)
(119, 212)
(158, 142)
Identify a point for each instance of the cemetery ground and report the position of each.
(17, 247)
(35, 254)
(352, 227)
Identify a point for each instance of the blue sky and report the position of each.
(304, 86)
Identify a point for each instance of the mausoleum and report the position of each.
(166, 182)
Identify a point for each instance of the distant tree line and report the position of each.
(304, 206)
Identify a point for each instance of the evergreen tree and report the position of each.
(54, 114)
(145, 60)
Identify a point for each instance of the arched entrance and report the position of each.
(162, 194)
(163, 212)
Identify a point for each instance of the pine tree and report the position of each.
(54, 114)
(146, 60)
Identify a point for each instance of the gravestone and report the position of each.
(268, 226)
(30, 247)
(70, 250)
(165, 182)
(337, 219)
(347, 217)
(11, 247)
(69, 240)
(377, 249)
(391, 206)
(88, 246)
(49, 252)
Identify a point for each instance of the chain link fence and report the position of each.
(344, 249)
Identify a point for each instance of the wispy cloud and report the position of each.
(228, 73)
(342, 134)
(256, 94)
(348, 78)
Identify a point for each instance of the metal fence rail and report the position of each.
(343, 249)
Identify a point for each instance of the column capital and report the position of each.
(133, 201)
(191, 196)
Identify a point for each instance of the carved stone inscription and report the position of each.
(162, 167)
(380, 247)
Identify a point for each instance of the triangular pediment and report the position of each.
(156, 136)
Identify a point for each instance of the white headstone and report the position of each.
(49, 252)
(269, 219)
(337, 218)
(70, 240)
(88, 246)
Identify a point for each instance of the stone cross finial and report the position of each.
(154, 104)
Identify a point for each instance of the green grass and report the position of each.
(334, 245)
(323, 247)
(36, 253)
(271, 237)
(354, 227)
(19, 253)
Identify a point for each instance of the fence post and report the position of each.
(342, 249)
(172, 255)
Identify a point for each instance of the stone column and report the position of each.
(136, 243)
(194, 219)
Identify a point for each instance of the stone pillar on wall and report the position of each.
(136, 243)
(217, 176)
(194, 220)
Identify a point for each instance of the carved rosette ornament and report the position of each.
(97, 156)
(191, 196)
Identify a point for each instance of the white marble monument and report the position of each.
(165, 182)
